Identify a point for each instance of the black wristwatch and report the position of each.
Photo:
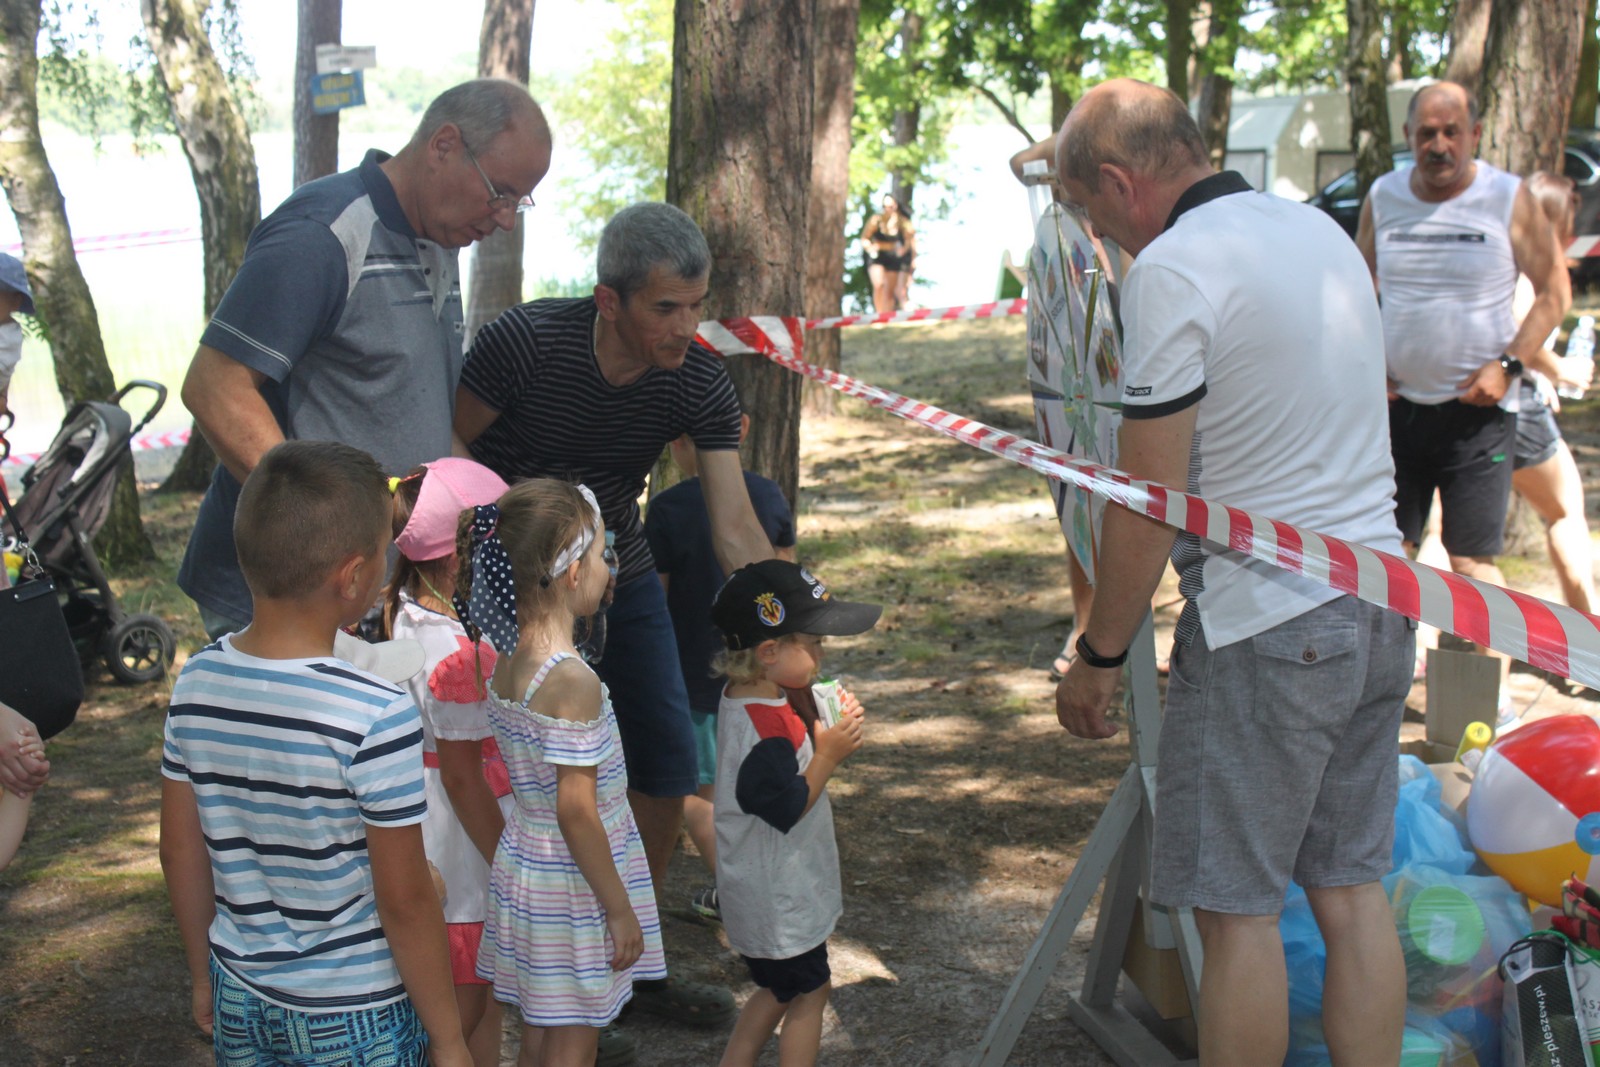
(1087, 653)
(1511, 365)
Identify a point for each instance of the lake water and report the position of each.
(148, 295)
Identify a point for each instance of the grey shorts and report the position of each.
(1279, 758)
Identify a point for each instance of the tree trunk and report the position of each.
(1180, 47)
(1060, 98)
(1401, 60)
(1199, 31)
(834, 55)
(60, 294)
(316, 137)
(1586, 98)
(504, 44)
(1469, 31)
(740, 165)
(1216, 79)
(222, 161)
(1530, 65)
(1369, 92)
(903, 130)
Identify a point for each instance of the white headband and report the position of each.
(580, 544)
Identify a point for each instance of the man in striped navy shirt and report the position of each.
(592, 390)
(293, 797)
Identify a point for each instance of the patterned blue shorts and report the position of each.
(249, 1032)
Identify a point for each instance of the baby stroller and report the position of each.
(66, 496)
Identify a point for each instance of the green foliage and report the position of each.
(617, 114)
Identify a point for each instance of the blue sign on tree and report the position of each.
(334, 92)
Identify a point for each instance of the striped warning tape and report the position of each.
(989, 310)
(1550, 636)
(111, 242)
(139, 443)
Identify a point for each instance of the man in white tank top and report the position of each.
(1445, 242)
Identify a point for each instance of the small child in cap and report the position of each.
(777, 863)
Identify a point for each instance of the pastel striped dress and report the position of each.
(545, 944)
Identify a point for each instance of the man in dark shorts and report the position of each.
(1445, 241)
(1253, 374)
(592, 390)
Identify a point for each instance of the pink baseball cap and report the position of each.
(450, 486)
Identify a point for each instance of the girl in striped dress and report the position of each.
(572, 917)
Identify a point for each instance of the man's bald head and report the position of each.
(1140, 127)
(1455, 91)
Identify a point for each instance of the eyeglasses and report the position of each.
(498, 201)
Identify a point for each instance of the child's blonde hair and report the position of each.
(538, 518)
(742, 666)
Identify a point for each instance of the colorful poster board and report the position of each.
(1074, 364)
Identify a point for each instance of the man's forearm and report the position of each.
(1133, 554)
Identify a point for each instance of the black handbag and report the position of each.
(40, 674)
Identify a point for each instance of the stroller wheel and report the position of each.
(139, 649)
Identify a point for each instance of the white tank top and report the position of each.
(1446, 275)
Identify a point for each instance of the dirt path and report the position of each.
(958, 822)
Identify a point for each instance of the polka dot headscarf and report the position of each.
(493, 608)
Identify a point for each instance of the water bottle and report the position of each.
(1580, 345)
(590, 631)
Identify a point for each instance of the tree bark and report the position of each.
(1586, 97)
(740, 165)
(1180, 47)
(833, 46)
(1370, 137)
(903, 130)
(505, 42)
(1216, 80)
(222, 161)
(316, 137)
(1469, 31)
(1530, 65)
(60, 294)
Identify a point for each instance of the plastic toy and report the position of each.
(1534, 812)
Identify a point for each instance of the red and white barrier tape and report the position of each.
(1550, 636)
(143, 442)
(111, 242)
(990, 310)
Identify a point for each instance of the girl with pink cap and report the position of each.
(468, 790)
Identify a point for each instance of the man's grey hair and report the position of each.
(642, 237)
(1416, 101)
(482, 109)
(1152, 134)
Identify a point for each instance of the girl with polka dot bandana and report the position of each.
(572, 920)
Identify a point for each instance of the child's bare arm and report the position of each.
(413, 923)
(461, 771)
(186, 865)
(578, 816)
(832, 747)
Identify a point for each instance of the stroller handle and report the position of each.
(143, 383)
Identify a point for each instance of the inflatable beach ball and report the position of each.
(1534, 810)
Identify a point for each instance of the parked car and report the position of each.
(1582, 165)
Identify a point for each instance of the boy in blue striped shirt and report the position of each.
(293, 798)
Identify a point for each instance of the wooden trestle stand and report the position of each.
(1116, 856)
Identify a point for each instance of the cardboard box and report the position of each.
(1463, 687)
(1156, 972)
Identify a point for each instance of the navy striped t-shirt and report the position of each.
(290, 760)
(560, 418)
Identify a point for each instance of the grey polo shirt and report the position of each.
(356, 323)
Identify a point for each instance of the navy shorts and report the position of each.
(640, 669)
(1463, 451)
(1537, 433)
(793, 977)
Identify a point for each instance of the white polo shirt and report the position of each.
(1261, 311)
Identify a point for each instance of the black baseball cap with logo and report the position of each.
(773, 598)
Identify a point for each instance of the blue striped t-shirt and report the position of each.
(289, 761)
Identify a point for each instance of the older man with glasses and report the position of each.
(344, 322)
